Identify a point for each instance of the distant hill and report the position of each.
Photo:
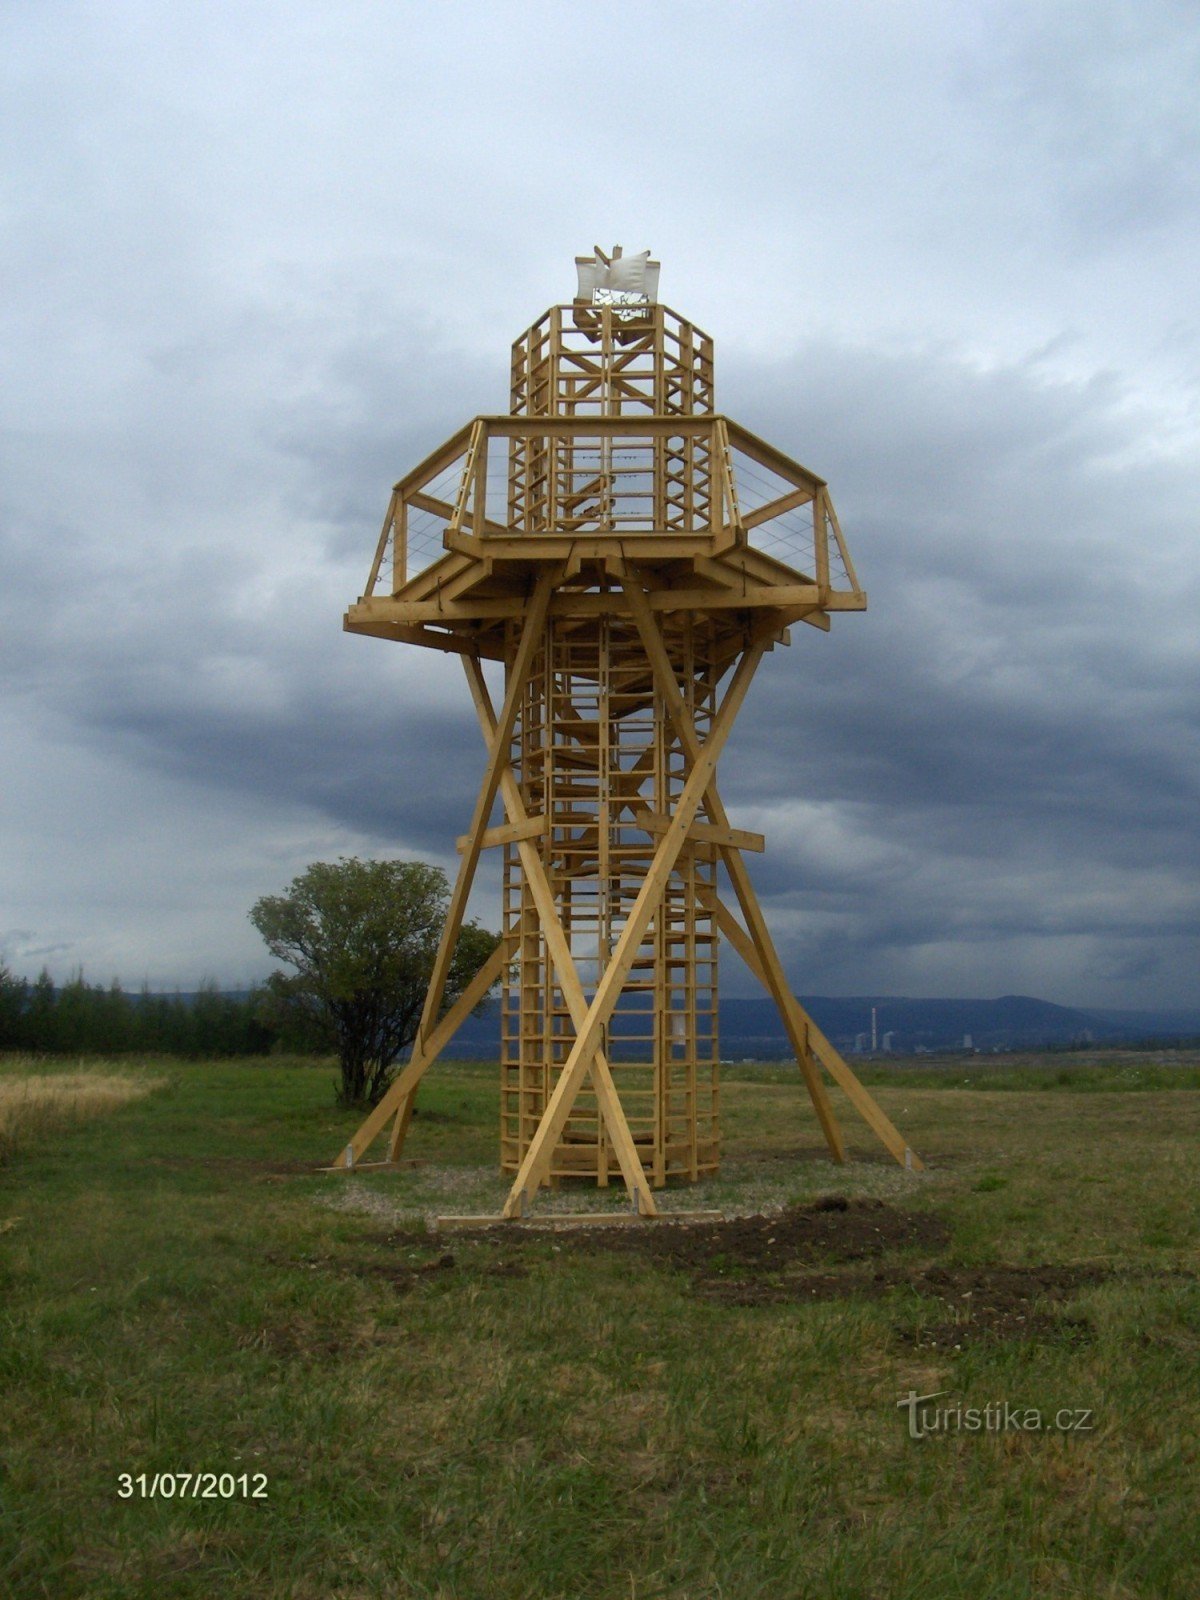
(751, 1027)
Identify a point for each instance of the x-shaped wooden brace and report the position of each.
(430, 1040)
(586, 1057)
(588, 1031)
(559, 950)
(756, 947)
(432, 1036)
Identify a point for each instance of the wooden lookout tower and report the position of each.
(629, 554)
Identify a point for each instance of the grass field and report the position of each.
(526, 1415)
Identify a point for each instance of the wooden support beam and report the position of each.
(562, 1221)
(400, 1091)
(541, 1147)
(434, 465)
(704, 832)
(498, 755)
(685, 732)
(776, 508)
(459, 644)
(386, 531)
(642, 425)
(580, 603)
(564, 964)
(505, 833)
(821, 542)
(851, 575)
(420, 501)
(654, 545)
(767, 455)
(830, 1058)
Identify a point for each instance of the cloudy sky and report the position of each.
(256, 260)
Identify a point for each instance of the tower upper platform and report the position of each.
(612, 455)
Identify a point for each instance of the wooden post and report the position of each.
(669, 690)
(497, 760)
(538, 1155)
(560, 955)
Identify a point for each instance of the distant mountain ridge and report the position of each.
(752, 1028)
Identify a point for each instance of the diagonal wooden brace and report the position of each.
(757, 948)
(564, 963)
(797, 1020)
(774, 977)
(398, 1099)
(649, 898)
(498, 756)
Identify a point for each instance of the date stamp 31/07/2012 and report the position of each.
(192, 1486)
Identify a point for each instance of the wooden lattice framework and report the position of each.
(622, 548)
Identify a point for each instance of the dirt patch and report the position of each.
(831, 1229)
(1001, 1303)
(969, 1304)
(835, 1248)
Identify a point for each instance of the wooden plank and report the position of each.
(348, 1157)
(559, 950)
(704, 832)
(506, 833)
(773, 459)
(751, 597)
(400, 545)
(442, 508)
(776, 508)
(400, 1127)
(841, 543)
(541, 1147)
(463, 644)
(532, 547)
(686, 734)
(569, 603)
(746, 565)
(458, 515)
(830, 1058)
(821, 542)
(477, 572)
(631, 425)
(382, 545)
(551, 1220)
(435, 464)
(479, 504)
(426, 582)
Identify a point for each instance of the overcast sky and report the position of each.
(258, 259)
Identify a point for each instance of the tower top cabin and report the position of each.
(612, 456)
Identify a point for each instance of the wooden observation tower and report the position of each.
(629, 554)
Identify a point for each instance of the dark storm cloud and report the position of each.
(1003, 748)
(255, 271)
(1009, 736)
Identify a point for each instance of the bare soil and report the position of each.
(834, 1248)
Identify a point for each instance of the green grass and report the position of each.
(181, 1291)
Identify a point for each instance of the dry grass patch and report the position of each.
(32, 1107)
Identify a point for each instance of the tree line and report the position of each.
(80, 1018)
(363, 938)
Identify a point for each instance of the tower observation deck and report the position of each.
(629, 554)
